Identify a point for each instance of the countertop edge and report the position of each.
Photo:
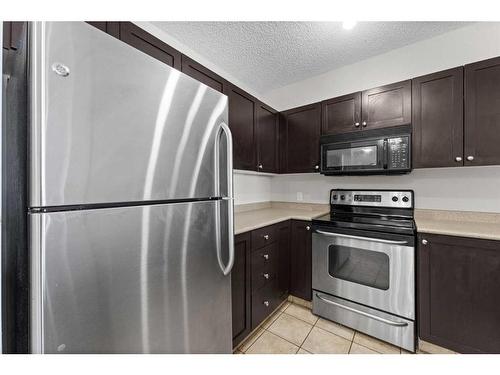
(276, 221)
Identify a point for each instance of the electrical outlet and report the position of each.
(300, 196)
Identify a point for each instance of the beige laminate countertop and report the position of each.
(248, 217)
(482, 225)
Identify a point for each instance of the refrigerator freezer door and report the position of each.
(112, 124)
(142, 279)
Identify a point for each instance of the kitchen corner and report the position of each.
(251, 216)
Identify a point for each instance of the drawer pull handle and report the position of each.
(368, 315)
(266, 276)
(308, 228)
(266, 303)
(266, 236)
(266, 256)
(424, 242)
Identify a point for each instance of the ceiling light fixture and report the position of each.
(348, 25)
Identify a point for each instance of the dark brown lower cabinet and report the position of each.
(300, 262)
(240, 288)
(459, 293)
(283, 248)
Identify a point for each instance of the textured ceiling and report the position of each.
(268, 55)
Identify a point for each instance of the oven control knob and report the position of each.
(342, 197)
(335, 197)
(405, 199)
(394, 199)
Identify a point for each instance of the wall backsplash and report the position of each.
(251, 188)
(461, 189)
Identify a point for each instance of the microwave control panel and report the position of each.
(398, 153)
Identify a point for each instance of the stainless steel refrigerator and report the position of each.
(131, 211)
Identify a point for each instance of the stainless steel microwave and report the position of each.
(378, 151)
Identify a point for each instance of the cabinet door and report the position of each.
(283, 265)
(241, 122)
(386, 106)
(459, 284)
(267, 139)
(342, 114)
(111, 28)
(13, 34)
(301, 260)
(482, 113)
(147, 43)
(301, 139)
(240, 288)
(437, 112)
(202, 74)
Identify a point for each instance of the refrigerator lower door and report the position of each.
(143, 279)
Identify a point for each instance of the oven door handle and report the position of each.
(371, 239)
(368, 315)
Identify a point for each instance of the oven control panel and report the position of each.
(378, 198)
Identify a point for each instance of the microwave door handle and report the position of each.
(384, 158)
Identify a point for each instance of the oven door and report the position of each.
(355, 156)
(370, 268)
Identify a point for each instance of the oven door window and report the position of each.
(365, 267)
(365, 156)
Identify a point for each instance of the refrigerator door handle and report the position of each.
(224, 129)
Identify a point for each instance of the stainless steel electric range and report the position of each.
(363, 263)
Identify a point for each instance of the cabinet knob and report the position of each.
(424, 242)
(316, 167)
(266, 303)
(308, 228)
(266, 256)
(458, 158)
(470, 158)
(356, 124)
(364, 123)
(260, 166)
(266, 276)
(266, 236)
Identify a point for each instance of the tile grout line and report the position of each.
(263, 330)
(276, 334)
(306, 339)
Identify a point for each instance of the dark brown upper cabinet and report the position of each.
(202, 74)
(242, 111)
(341, 114)
(240, 288)
(482, 113)
(458, 289)
(437, 119)
(300, 132)
(301, 260)
(386, 106)
(13, 33)
(149, 44)
(109, 27)
(267, 127)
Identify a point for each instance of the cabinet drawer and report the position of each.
(263, 236)
(264, 302)
(264, 268)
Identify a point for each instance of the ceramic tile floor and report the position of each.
(293, 329)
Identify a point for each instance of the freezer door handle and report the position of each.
(224, 129)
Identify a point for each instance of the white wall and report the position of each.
(462, 189)
(251, 188)
(468, 44)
